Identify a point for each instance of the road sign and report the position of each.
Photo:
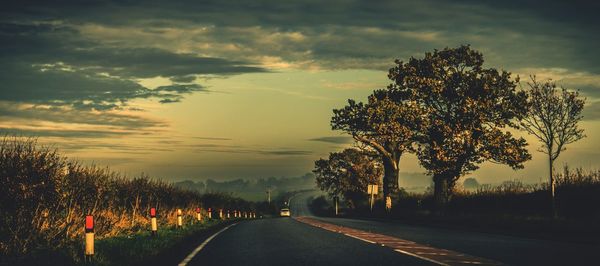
(372, 189)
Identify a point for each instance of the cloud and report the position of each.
(59, 133)
(52, 63)
(335, 140)
(237, 149)
(168, 100)
(325, 35)
(184, 79)
(211, 138)
(336, 34)
(180, 88)
(60, 114)
(285, 152)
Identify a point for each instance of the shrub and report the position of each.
(44, 198)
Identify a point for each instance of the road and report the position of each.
(287, 241)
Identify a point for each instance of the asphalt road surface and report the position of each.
(286, 241)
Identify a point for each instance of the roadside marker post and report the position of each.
(228, 214)
(153, 224)
(89, 237)
(199, 214)
(336, 205)
(209, 212)
(179, 218)
(372, 191)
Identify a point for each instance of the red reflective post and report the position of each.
(199, 214)
(154, 224)
(89, 236)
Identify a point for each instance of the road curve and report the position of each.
(334, 241)
(284, 241)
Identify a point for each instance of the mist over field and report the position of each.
(252, 189)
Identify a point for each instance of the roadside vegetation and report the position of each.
(511, 207)
(454, 114)
(44, 198)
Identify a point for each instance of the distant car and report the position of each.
(284, 212)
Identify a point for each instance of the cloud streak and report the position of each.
(334, 140)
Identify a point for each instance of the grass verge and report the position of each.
(168, 247)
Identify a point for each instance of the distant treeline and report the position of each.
(252, 189)
(44, 198)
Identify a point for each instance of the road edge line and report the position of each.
(362, 239)
(189, 257)
(420, 257)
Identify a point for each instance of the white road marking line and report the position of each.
(421, 257)
(432, 253)
(191, 255)
(362, 239)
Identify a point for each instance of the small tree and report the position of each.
(552, 118)
(386, 125)
(347, 174)
(470, 183)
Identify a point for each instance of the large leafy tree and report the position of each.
(553, 117)
(347, 174)
(384, 125)
(467, 111)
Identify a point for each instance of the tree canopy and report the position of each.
(467, 110)
(348, 173)
(384, 125)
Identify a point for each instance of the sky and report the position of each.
(245, 89)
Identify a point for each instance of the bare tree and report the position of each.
(553, 116)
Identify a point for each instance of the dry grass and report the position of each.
(44, 198)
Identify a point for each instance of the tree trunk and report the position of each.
(441, 192)
(390, 180)
(552, 187)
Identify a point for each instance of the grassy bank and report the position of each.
(45, 196)
(168, 247)
(144, 249)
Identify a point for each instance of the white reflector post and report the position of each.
(153, 224)
(209, 213)
(199, 214)
(179, 218)
(89, 235)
